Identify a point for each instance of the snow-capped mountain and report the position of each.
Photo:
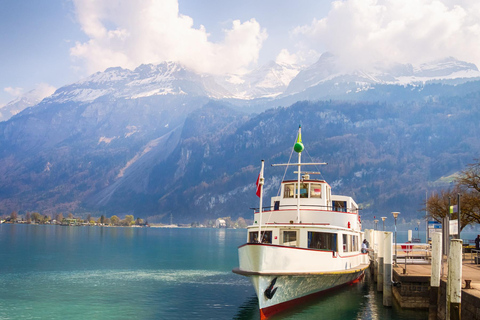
(167, 78)
(271, 84)
(170, 78)
(268, 81)
(26, 100)
(328, 70)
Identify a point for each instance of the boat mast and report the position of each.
(298, 147)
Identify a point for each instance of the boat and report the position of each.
(305, 244)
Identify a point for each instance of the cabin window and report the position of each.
(276, 205)
(266, 236)
(315, 190)
(290, 238)
(288, 190)
(322, 241)
(354, 243)
(303, 190)
(340, 206)
(347, 243)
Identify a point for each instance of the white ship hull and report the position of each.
(295, 274)
(295, 289)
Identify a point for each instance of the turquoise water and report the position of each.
(54, 272)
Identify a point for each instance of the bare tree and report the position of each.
(13, 216)
(470, 177)
(467, 185)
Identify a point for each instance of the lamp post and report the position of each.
(383, 219)
(395, 216)
(376, 221)
(418, 228)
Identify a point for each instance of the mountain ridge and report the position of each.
(266, 86)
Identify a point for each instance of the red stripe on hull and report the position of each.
(270, 311)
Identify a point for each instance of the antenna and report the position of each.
(308, 172)
(299, 164)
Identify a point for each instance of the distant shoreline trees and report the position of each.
(89, 220)
(37, 218)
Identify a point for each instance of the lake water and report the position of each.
(55, 272)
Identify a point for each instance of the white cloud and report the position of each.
(286, 57)
(362, 32)
(43, 90)
(129, 33)
(14, 92)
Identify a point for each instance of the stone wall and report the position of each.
(411, 292)
(414, 292)
(470, 306)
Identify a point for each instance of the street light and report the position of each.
(395, 216)
(383, 219)
(418, 222)
(376, 221)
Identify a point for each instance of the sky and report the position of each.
(48, 44)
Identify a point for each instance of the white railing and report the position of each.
(412, 252)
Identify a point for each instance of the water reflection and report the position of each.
(248, 310)
(221, 237)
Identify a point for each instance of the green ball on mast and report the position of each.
(298, 147)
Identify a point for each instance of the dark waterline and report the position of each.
(54, 272)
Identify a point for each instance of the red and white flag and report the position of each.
(259, 183)
(259, 189)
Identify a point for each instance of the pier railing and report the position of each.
(413, 252)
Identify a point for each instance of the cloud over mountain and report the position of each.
(129, 33)
(412, 31)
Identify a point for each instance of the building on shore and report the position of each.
(220, 223)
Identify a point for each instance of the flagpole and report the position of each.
(298, 147)
(260, 184)
(298, 185)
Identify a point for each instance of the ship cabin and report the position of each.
(320, 219)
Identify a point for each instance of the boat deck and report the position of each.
(282, 273)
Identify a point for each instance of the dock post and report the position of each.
(435, 277)
(375, 255)
(410, 236)
(369, 237)
(387, 269)
(380, 241)
(454, 281)
(371, 252)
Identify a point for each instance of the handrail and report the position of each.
(326, 208)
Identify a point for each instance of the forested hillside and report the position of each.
(200, 160)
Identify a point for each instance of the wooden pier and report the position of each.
(412, 288)
(420, 278)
